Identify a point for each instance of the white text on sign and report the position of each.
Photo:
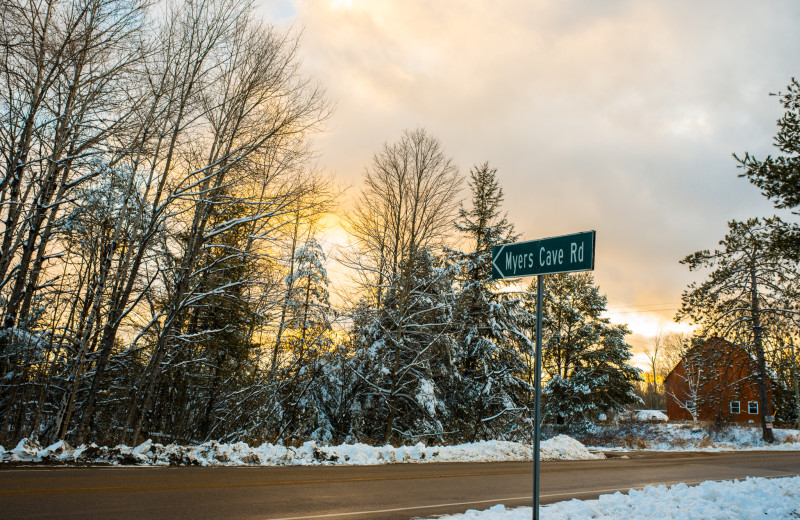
(553, 257)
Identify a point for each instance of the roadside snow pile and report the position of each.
(240, 454)
(731, 500)
(562, 447)
(650, 435)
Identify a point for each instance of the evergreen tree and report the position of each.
(309, 303)
(401, 351)
(337, 393)
(212, 352)
(307, 337)
(490, 389)
(778, 177)
(583, 353)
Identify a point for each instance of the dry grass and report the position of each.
(705, 443)
(632, 443)
(628, 434)
(636, 435)
(792, 438)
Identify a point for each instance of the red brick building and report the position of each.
(715, 379)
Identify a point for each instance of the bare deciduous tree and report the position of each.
(405, 210)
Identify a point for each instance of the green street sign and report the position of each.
(553, 255)
(564, 254)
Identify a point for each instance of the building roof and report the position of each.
(718, 343)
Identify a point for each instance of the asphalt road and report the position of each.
(398, 491)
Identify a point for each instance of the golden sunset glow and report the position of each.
(341, 4)
(614, 116)
(333, 231)
(645, 323)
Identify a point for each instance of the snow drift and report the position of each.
(214, 453)
(730, 500)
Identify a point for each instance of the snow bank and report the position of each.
(563, 447)
(213, 453)
(684, 436)
(731, 500)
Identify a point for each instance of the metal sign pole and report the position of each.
(562, 254)
(794, 380)
(537, 378)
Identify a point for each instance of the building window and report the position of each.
(735, 407)
(752, 407)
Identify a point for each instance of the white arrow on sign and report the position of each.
(499, 252)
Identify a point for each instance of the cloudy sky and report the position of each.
(614, 115)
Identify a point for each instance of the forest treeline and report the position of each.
(162, 269)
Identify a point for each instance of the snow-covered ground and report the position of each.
(729, 500)
(649, 434)
(213, 453)
(659, 436)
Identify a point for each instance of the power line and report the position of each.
(646, 305)
(647, 310)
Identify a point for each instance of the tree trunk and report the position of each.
(766, 433)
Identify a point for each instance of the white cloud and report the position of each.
(618, 116)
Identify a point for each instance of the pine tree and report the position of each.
(490, 390)
(583, 353)
(309, 302)
(779, 177)
(208, 357)
(400, 353)
(307, 338)
(337, 392)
